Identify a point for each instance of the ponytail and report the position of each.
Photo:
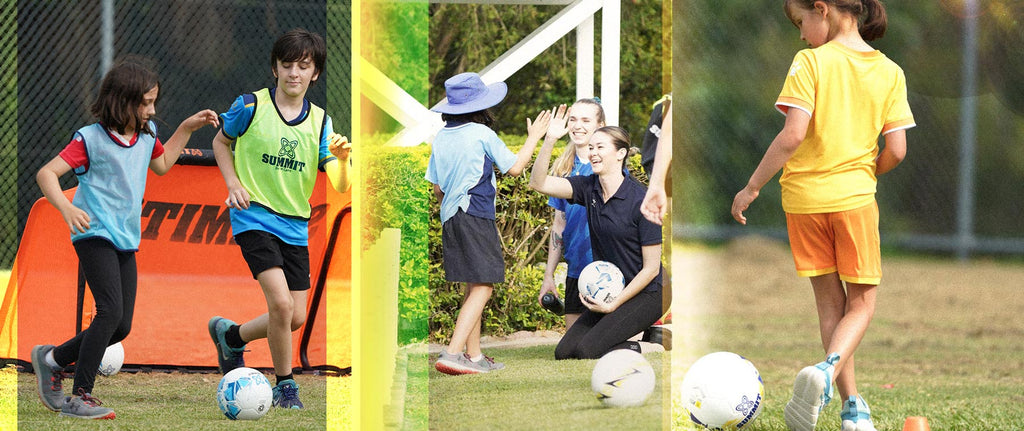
(871, 17)
(875, 20)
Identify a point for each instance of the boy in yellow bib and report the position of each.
(269, 149)
(838, 96)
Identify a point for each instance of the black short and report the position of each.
(573, 305)
(471, 250)
(263, 251)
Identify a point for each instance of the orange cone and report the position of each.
(916, 423)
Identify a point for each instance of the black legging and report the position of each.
(595, 334)
(112, 279)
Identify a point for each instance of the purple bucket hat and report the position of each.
(466, 93)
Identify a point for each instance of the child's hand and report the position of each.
(655, 204)
(77, 219)
(741, 202)
(339, 146)
(536, 129)
(559, 123)
(200, 119)
(238, 197)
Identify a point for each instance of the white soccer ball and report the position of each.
(113, 359)
(622, 378)
(601, 281)
(244, 393)
(722, 390)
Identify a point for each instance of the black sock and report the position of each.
(280, 379)
(233, 338)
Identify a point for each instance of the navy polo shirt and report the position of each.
(618, 230)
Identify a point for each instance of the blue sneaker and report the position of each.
(812, 391)
(286, 395)
(856, 415)
(48, 380)
(228, 358)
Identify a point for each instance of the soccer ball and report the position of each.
(244, 393)
(722, 390)
(601, 281)
(622, 378)
(113, 359)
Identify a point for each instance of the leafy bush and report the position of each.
(398, 197)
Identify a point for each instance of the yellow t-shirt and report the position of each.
(852, 97)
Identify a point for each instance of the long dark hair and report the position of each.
(121, 93)
(871, 17)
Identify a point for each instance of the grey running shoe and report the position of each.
(51, 390)
(458, 363)
(488, 362)
(84, 406)
(286, 395)
(228, 358)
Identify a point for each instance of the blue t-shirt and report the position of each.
(462, 160)
(618, 231)
(290, 230)
(576, 236)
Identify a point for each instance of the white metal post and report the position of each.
(610, 23)
(585, 59)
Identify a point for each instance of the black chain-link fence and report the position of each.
(207, 53)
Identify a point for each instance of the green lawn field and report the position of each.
(184, 401)
(536, 392)
(946, 342)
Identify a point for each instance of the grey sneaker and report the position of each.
(488, 362)
(286, 395)
(228, 358)
(84, 406)
(51, 390)
(459, 363)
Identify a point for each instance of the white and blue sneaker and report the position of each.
(856, 415)
(812, 391)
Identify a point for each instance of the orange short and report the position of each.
(845, 241)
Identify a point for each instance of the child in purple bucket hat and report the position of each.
(461, 168)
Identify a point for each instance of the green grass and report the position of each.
(170, 401)
(946, 341)
(535, 392)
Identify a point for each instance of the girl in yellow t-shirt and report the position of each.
(838, 96)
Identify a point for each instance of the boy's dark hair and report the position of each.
(121, 93)
(298, 44)
(483, 117)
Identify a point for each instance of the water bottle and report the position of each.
(553, 303)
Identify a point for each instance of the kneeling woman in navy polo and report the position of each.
(619, 234)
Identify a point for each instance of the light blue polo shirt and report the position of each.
(462, 160)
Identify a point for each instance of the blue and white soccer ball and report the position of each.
(601, 281)
(244, 393)
(113, 359)
(622, 378)
(722, 391)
